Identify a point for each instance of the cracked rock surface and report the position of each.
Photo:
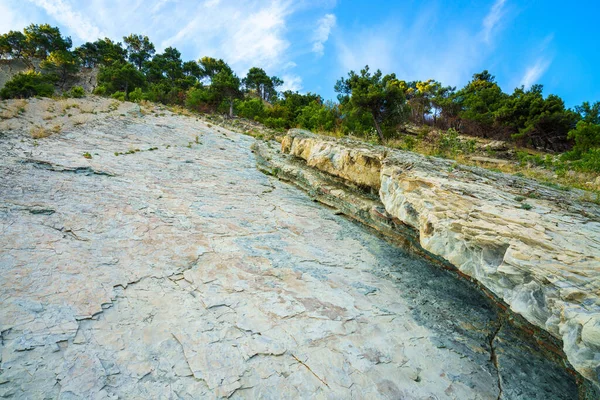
(184, 272)
(536, 248)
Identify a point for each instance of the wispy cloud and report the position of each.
(534, 72)
(492, 19)
(242, 33)
(10, 20)
(321, 35)
(62, 11)
(291, 82)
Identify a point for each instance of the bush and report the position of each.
(118, 96)
(275, 123)
(28, 84)
(199, 100)
(136, 95)
(253, 109)
(589, 161)
(316, 116)
(586, 136)
(77, 92)
(100, 90)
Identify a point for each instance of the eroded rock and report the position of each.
(535, 248)
(187, 273)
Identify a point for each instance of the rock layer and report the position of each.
(537, 249)
(181, 271)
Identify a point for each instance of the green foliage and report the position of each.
(200, 99)
(120, 77)
(260, 83)
(253, 109)
(139, 49)
(480, 99)
(44, 39)
(275, 123)
(136, 95)
(102, 52)
(589, 161)
(118, 96)
(586, 136)
(62, 64)
(28, 84)
(380, 96)
(318, 117)
(13, 45)
(526, 206)
(100, 90)
(77, 92)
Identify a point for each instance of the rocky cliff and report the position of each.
(143, 255)
(86, 77)
(536, 249)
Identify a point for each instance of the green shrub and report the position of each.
(77, 92)
(199, 100)
(136, 95)
(409, 142)
(317, 116)
(100, 90)
(251, 108)
(275, 123)
(28, 84)
(118, 95)
(449, 143)
(589, 161)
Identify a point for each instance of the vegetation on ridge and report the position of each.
(370, 104)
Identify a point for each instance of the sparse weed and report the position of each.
(39, 132)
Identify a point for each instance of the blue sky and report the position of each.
(311, 43)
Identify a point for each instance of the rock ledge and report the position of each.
(535, 248)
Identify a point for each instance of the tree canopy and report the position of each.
(368, 102)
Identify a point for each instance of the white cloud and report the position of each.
(244, 34)
(534, 72)
(291, 82)
(10, 20)
(321, 34)
(62, 12)
(492, 19)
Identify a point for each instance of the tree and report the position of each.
(226, 86)
(101, 52)
(589, 112)
(167, 65)
(28, 84)
(63, 64)
(13, 45)
(380, 96)
(211, 66)
(318, 116)
(263, 85)
(536, 121)
(44, 39)
(120, 76)
(192, 69)
(139, 49)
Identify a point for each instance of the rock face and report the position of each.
(181, 271)
(535, 248)
(86, 77)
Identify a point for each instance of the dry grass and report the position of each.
(39, 132)
(180, 111)
(14, 110)
(561, 180)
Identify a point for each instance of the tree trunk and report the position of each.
(126, 90)
(379, 132)
(231, 108)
